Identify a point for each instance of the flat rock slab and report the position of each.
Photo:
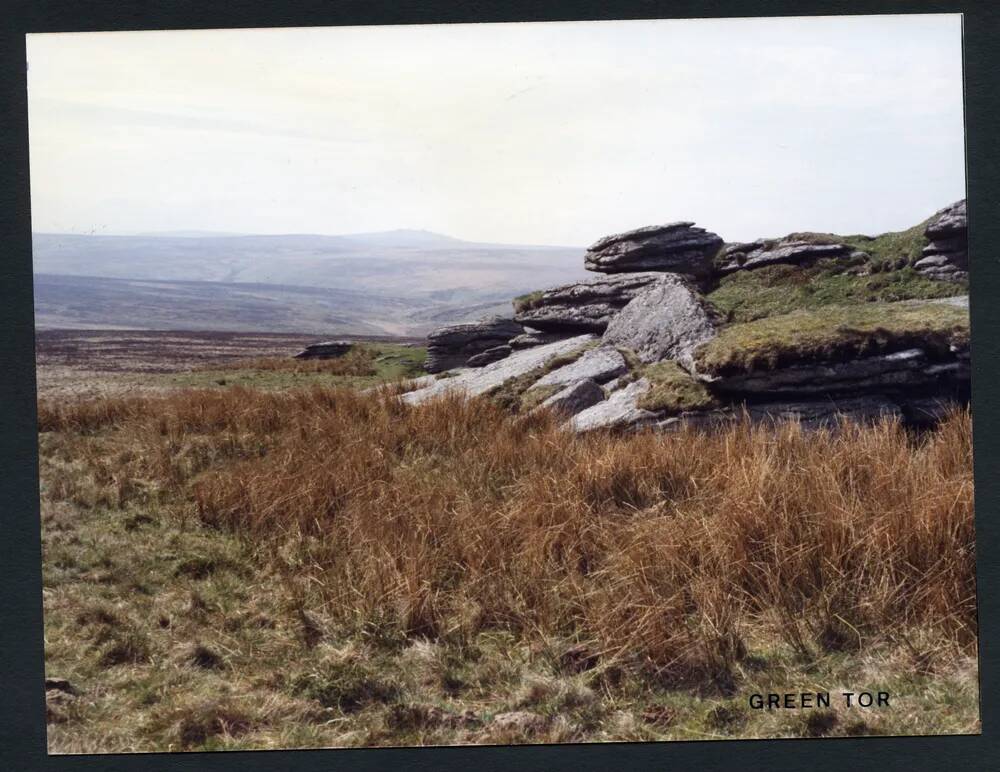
(618, 411)
(598, 365)
(758, 254)
(585, 306)
(453, 345)
(532, 338)
(666, 320)
(477, 381)
(677, 247)
(575, 398)
(904, 370)
(951, 220)
(328, 349)
(946, 256)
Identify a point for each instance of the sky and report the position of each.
(531, 133)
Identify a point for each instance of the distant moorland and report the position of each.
(396, 282)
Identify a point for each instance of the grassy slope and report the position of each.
(887, 276)
(377, 363)
(245, 569)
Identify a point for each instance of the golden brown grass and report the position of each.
(672, 554)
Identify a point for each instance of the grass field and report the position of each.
(230, 567)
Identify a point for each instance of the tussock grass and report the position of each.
(668, 553)
(528, 301)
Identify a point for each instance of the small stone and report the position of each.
(494, 354)
(574, 398)
(521, 721)
(618, 411)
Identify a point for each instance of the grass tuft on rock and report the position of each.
(673, 390)
(833, 333)
(527, 302)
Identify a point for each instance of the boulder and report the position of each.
(586, 306)
(677, 247)
(494, 354)
(757, 254)
(598, 365)
(475, 381)
(947, 222)
(666, 320)
(946, 256)
(454, 345)
(619, 411)
(328, 349)
(575, 398)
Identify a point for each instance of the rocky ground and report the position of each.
(680, 327)
(80, 364)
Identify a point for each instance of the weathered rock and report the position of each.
(586, 306)
(575, 398)
(946, 256)
(598, 365)
(899, 370)
(494, 354)
(677, 247)
(535, 338)
(667, 320)
(757, 254)
(483, 379)
(947, 222)
(454, 345)
(620, 410)
(328, 349)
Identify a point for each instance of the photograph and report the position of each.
(503, 383)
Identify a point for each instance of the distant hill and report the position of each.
(396, 282)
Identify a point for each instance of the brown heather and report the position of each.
(671, 553)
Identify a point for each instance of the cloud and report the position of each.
(540, 133)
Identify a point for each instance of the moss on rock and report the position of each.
(833, 333)
(673, 390)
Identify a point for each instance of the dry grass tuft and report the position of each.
(668, 552)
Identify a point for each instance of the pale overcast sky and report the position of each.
(543, 133)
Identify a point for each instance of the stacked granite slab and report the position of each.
(581, 349)
(946, 256)
(474, 344)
